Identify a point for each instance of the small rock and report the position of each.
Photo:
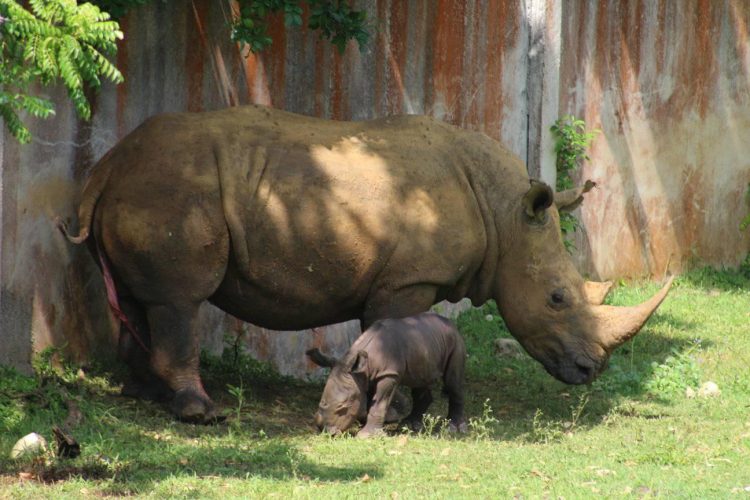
(507, 348)
(709, 390)
(489, 317)
(690, 393)
(30, 444)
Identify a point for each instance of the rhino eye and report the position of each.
(557, 299)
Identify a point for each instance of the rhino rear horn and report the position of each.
(321, 359)
(570, 199)
(596, 291)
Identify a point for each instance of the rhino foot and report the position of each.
(414, 424)
(459, 427)
(155, 391)
(191, 407)
(368, 432)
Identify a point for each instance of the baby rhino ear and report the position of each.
(356, 362)
(321, 359)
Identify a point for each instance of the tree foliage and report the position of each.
(571, 142)
(46, 41)
(51, 41)
(335, 19)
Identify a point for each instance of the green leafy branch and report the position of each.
(55, 40)
(335, 19)
(571, 143)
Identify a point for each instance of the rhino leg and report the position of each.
(398, 408)
(453, 386)
(143, 384)
(175, 358)
(421, 400)
(384, 390)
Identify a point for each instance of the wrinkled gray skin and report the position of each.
(417, 352)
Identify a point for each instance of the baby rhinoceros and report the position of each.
(416, 351)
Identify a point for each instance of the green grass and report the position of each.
(632, 433)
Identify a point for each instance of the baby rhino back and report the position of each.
(417, 349)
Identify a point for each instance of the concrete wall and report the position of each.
(665, 81)
(668, 84)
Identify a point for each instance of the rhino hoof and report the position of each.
(460, 428)
(365, 433)
(190, 407)
(156, 391)
(414, 424)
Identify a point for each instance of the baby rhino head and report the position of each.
(344, 399)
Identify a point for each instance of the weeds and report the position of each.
(481, 427)
(239, 395)
(677, 372)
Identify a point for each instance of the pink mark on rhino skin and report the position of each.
(114, 304)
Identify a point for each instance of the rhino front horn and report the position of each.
(617, 325)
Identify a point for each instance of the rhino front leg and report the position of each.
(384, 390)
(175, 357)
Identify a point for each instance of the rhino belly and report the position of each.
(283, 304)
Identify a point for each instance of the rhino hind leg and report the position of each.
(143, 383)
(453, 387)
(175, 358)
(421, 401)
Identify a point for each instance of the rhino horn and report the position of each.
(321, 359)
(596, 291)
(616, 325)
(570, 199)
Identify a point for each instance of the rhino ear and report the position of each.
(321, 359)
(537, 200)
(570, 199)
(356, 362)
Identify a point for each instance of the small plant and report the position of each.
(434, 424)
(677, 372)
(238, 393)
(746, 220)
(571, 143)
(480, 427)
(543, 431)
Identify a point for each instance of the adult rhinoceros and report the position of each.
(292, 222)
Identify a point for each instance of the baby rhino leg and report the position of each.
(384, 390)
(421, 400)
(453, 385)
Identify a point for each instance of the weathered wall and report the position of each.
(666, 82)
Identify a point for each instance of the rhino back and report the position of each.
(326, 211)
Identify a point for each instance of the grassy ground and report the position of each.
(633, 433)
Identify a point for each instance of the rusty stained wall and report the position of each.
(668, 84)
(425, 57)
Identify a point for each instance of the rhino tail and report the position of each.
(92, 190)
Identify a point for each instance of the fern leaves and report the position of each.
(55, 40)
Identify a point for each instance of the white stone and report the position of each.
(708, 390)
(30, 444)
